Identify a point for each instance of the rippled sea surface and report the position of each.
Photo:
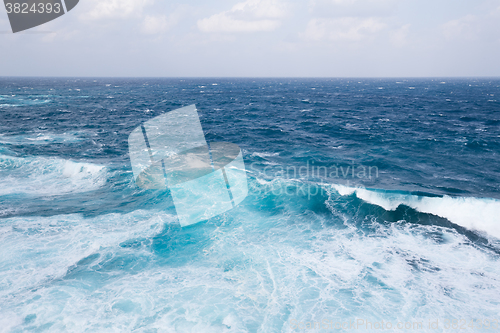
(369, 200)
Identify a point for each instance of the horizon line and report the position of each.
(250, 77)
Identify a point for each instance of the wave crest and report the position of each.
(479, 214)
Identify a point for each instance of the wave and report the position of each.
(270, 255)
(40, 138)
(48, 176)
(264, 155)
(15, 102)
(44, 249)
(478, 214)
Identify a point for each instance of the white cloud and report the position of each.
(154, 24)
(345, 28)
(399, 37)
(350, 20)
(222, 23)
(338, 8)
(465, 27)
(111, 9)
(248, 16)
(474, 27)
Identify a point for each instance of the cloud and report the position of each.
(474, 27)
(156, 24)
(348, 8)
(399, 37)
(112, 9)
(350, 20)
(248, 16)
(465, 27)
(342, 29)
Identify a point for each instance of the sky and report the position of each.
(260, 38)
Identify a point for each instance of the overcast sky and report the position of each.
(260, 38)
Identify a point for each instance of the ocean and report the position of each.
(373, 205)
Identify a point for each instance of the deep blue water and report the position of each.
(369, 199)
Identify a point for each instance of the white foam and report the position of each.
(36, 250)
(41, 138)
(344, 190)
(256, 273)
(263, 155)
(480, 214)
(48, 176)
(9, 320)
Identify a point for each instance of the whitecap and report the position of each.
(41, 138)
(48, 176)
(264, 154)
(479, 214)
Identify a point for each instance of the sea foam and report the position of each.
(480, 214)
(48, 176)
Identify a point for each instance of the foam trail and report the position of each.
(15, 101)
(38, 249)
(40, 138)
(48, 176)
(480, 214)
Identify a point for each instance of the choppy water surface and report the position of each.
(373, 200)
